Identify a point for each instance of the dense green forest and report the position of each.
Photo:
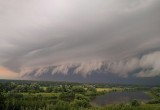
(45, 95)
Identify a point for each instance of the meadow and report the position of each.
(46, 95)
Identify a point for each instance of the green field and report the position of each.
(32, 95)
(109, 89)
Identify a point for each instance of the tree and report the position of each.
(91, 88)
(58, 89)
(78, 89)
(80, 101)
(34, 87)
(67, 96)
(49, 89)
(9, 86)
(2, 99)
(22, 88)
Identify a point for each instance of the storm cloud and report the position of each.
(116, 36)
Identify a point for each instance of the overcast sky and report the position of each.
(118, 35)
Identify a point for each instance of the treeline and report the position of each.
(33, 96)
(37, 88)
(62, 96)
(155, 93)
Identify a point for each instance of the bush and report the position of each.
(61, 105)
(154, 101)
(80, 103)
(15, 95)
(78, 89)
(135, 103)
(67, 96)
(81, 97)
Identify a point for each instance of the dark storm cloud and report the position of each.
(37, 33)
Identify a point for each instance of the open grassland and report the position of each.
(109, 89)
(104, 89)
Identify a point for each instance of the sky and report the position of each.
(40, 39)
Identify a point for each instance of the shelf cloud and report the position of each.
(82, 36)
(148, 66)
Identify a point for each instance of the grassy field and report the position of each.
(26, 95)
(104, 89)
(129, 107)
(36, 94)
(43, 94)
(109, 89)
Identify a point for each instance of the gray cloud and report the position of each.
(148, 66)
(37, 34)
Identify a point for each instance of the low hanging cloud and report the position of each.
(57, 36)
(148, 64)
